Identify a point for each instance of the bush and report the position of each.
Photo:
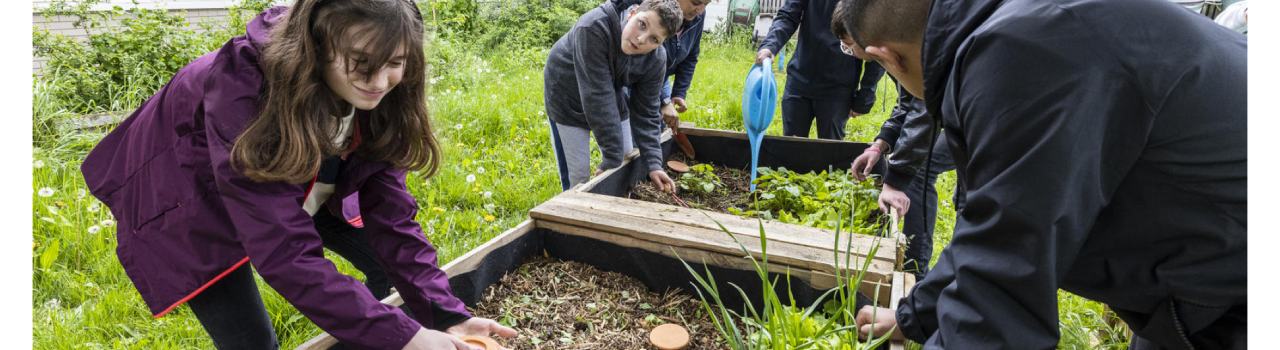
(119, 66)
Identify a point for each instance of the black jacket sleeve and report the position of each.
(784, 25)
(864, 97)
(1041, 154)
(914, 141)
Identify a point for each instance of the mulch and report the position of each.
(557, 304)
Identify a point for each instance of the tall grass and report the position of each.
(826, 324)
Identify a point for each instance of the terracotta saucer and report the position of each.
(669, 337)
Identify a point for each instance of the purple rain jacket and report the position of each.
(186, 218)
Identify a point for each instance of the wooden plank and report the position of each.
(700, 238)
(899, 291)
(819, 257)
(776, 231)
(817, 279)
(465, 263)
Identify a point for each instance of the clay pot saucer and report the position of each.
(678, 166)
(669, 337)
(483, 342)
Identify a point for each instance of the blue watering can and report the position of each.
(758, 101)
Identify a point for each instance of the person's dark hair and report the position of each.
(668, 12)
(837, 20)
(870, 22)
(299, 114)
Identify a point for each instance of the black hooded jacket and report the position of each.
(1102, 145)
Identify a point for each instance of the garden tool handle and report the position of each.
(893, 221)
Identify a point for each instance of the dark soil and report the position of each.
(570, 305)
(735, 193)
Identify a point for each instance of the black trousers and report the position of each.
(799, 114)
(922, 214)
(232, 312)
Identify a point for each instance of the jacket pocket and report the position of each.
(156, 188)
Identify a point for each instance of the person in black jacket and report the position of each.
(1099, 156)
(916, 156)
(822, 82)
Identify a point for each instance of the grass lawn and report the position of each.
(487, 113)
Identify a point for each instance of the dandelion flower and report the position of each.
(93, 230)
(480, 170)
(107, 223)
(489, 218)
(45, 192)
(37, 164)
(80, 193)
(457, 126)
(471, 178)
(437, 209)
(93, 208)
(488, 195)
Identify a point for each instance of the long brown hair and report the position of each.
(299, 115)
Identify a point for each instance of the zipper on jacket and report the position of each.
(1177, 325)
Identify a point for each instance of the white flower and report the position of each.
(93, 230)
(488, 195)
(107, 223)
(51, 209)
(53, 303)
(480, 170)
(93, 208)
(45, 192)
(38, 164)
(471, 178)
(80, 193)
(490, 207)
(457, 126)
(434, 80)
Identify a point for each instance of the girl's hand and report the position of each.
(426, 339)
(480, 326)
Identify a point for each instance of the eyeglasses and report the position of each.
(846, 49)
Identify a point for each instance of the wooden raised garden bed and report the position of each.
(594, 224)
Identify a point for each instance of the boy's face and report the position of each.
(642, 33)
(693, 8)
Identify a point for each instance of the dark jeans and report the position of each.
(922, 214)
(232, 312)
(799, 113)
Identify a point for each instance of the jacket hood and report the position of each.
(949, 25)
(259, 29)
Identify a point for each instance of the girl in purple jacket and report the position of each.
(269, 149)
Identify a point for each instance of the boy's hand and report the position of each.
(893, 198)
(662, 181)
(876, 321)
(670, 116)
(679, 102)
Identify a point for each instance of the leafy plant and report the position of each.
(701, 178)
(812, 199)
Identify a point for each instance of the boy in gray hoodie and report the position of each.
(606, 68)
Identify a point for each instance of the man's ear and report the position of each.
(887, 57)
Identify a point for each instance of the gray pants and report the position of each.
(573, 151)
